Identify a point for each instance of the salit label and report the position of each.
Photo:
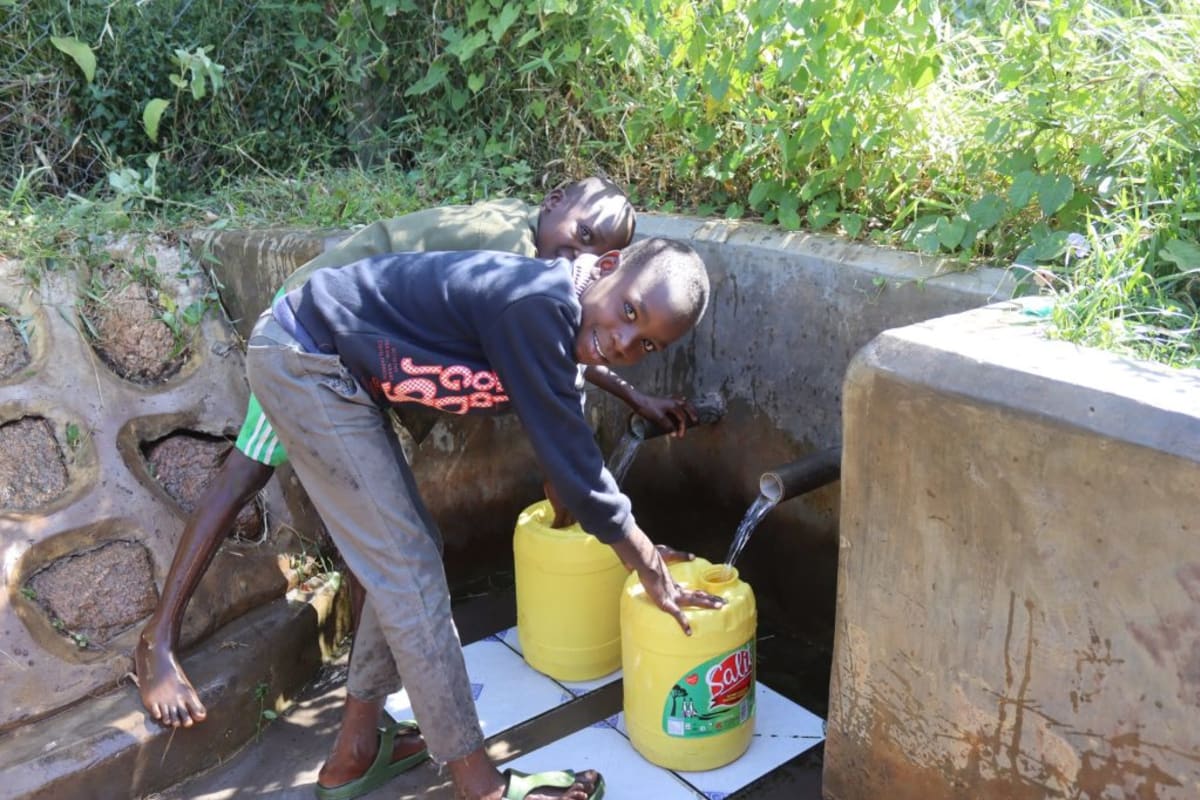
(715, 697)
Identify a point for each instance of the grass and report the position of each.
(1110, 300)
(1044, 122)
(1114, 289)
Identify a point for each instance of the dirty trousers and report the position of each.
(353, 469)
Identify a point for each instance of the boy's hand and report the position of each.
(672, 556)
(562, 517)
(671, 413)
(639, 554)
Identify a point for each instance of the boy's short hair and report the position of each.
(676, 263)
(597, 188)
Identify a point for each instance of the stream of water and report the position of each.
(622, 456)
(754, 515)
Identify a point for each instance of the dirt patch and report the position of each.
(124, 321)
(184, 463)
(93, 595)
(14, 350)
(33, 471)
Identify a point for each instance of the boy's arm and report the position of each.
(563, 519)
(669, 413)
(640, 555)
(650, 561)
(522, 347)
(526, 345)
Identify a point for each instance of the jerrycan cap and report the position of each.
(717, 578)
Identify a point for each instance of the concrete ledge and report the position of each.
(106, 747)
(1018, 606)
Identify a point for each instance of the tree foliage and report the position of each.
(995, 129)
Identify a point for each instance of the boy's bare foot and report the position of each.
(165, 690)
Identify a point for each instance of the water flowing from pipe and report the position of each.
(754, 515)
(622, 456)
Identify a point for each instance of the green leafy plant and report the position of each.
(977, 130)
(182, 322)
(1107, 297)
(262, 692)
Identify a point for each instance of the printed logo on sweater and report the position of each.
(456, 389)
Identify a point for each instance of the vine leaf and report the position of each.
(151, 115)
(80, 52)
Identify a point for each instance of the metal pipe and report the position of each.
(709, 407)
(803, 475)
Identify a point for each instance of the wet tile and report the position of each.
(782, 731)
(508, 692)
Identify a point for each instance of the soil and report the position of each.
(129, 334)
(96, 594)
(32, 472)
(184, 463)
(14, 355)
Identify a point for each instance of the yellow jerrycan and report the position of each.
(689, 700)
(568, 597)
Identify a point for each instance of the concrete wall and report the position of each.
(1019, 587)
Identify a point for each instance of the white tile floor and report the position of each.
(509, 692)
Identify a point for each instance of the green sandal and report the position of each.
(382, 770)
(518, 785)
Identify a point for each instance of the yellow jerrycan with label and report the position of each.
(568, 597)
(689, 700)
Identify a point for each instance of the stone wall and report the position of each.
(111, 423)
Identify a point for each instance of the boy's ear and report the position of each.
(608, 262)
(553, 198)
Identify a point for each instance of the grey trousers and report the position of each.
(352, 467)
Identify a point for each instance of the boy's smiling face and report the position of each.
(626, 315)
(589, 219)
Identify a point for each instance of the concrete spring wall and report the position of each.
(1018, 607)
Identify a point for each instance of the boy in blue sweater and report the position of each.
(462, 332)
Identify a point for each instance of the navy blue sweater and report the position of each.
(471, 332)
